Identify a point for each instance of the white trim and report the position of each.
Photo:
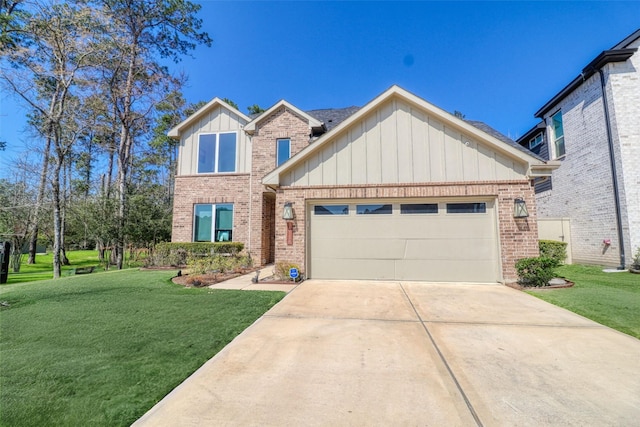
(217, 152)
(176, 132)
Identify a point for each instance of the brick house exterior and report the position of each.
(399, 150)
(582, 188)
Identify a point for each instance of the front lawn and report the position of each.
(102, 349)
(43, 268)
(612, 299)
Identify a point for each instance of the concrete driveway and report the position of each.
(413, 354)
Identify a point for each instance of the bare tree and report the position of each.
(142, 29)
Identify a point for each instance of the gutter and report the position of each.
(614, 174)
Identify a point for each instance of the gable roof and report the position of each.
(332, 117)
(618, 53)
(215, 102)
(314, 123)
(509, 149)
(491, 131)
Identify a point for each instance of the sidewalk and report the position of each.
(245, 282)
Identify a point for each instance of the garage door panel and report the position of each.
(351, 269)
(360, 248)
(441, 249)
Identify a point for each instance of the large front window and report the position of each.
(217, 152)
(558, 133)
(213, 223)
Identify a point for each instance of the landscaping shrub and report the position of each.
(635, 262)
(218, 263)
(536, 271)
(553, 249)
(177, 253)
(282, 268)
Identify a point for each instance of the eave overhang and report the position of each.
(606, 57)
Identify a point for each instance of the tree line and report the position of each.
(100, 102)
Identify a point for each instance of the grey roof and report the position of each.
(491, 131)
(332, 117)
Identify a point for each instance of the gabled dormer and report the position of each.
(213, 141)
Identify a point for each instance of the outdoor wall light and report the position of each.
(287, 213)
(520, 209)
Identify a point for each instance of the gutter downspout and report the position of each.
(614, 174)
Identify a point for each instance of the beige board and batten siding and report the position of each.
(216, 120)
(398, 143)
(438, 247)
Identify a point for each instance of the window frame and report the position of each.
(381, 210)
(278, 141)
(532, 142)
(473, 211)
(214, 216)
(216, 152)
(556, 138)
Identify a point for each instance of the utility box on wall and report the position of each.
(5, 252)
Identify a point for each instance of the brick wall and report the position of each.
(582, 186)
(194, 189)
(282, 123)
(518, 237)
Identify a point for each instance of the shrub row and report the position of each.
(177, 253)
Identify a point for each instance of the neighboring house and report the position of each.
(598, 143)
(399, 189)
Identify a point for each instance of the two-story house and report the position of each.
(397, 189)
(592, 126)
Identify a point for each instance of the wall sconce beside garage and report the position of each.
(520, 208)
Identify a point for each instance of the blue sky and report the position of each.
(497, 62)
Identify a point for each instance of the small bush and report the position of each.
(553, 249)
(536, 271)
(282, 268)
(635, 263)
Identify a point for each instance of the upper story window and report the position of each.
(535, 141)
(217, 152)
(558, 134)
(283, 150)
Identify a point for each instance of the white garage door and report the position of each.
(440, 241)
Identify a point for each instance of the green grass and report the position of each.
(102, 349)
(612, 299)
(43, 268)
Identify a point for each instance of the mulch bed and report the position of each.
(539, 288)
(203, 280)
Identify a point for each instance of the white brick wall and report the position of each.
(582, 186)
(624, 83)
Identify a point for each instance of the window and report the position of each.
(419, 208)
(455, 208)
(283, 151)
(373, 209)
(558, 133)
(331, 210)
(213, 223)
(535, 141)
(217, 152)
